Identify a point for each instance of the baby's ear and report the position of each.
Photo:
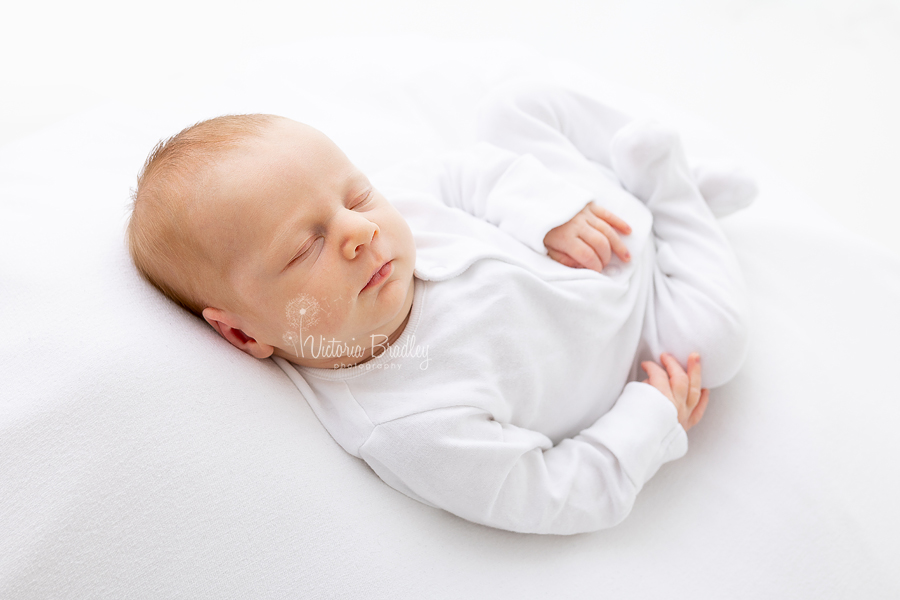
(227, 327)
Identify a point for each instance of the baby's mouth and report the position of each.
(380, 275)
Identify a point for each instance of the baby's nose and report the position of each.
(360, 233)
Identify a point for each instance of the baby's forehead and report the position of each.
(288, 163)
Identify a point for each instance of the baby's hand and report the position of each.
(588, 240)
(683, 389)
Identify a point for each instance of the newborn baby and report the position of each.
(475, 326)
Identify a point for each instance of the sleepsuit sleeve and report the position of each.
(514, 192)
(461, 460)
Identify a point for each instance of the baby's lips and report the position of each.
(379, 276)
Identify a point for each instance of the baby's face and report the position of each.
(319, 259)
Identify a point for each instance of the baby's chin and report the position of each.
(381, 323)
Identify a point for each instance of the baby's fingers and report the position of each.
(610, 218)
(563, 258)
(657, 377)
(597, 248)
(678, 379)
(613, 240)
(694, 372)
(573, 244)
(698, 411)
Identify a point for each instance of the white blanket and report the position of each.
(141, 456)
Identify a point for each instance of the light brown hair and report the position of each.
(169, 189)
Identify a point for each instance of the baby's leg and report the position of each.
(698, 299)
(570, 133)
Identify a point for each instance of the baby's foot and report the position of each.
(647, 156)
(726, 188)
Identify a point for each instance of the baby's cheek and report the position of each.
(303, 317)
(306, 315)
(303, 312)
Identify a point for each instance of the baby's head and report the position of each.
(262, 226)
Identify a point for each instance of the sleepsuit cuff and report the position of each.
(641, 430)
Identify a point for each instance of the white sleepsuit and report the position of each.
(507, 400)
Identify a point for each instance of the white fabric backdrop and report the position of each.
(141, 456)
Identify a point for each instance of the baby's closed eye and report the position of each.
(308, 250)
(362, 201)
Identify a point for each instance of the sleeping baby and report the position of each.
(482, 328)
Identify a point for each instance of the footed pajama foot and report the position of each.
(648, 157)
(726, 188)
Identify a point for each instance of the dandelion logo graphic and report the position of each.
(302, 310)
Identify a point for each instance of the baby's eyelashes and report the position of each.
(362, 200)
(307, 250)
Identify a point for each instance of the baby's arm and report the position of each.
(462, 460)
(513, 192)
